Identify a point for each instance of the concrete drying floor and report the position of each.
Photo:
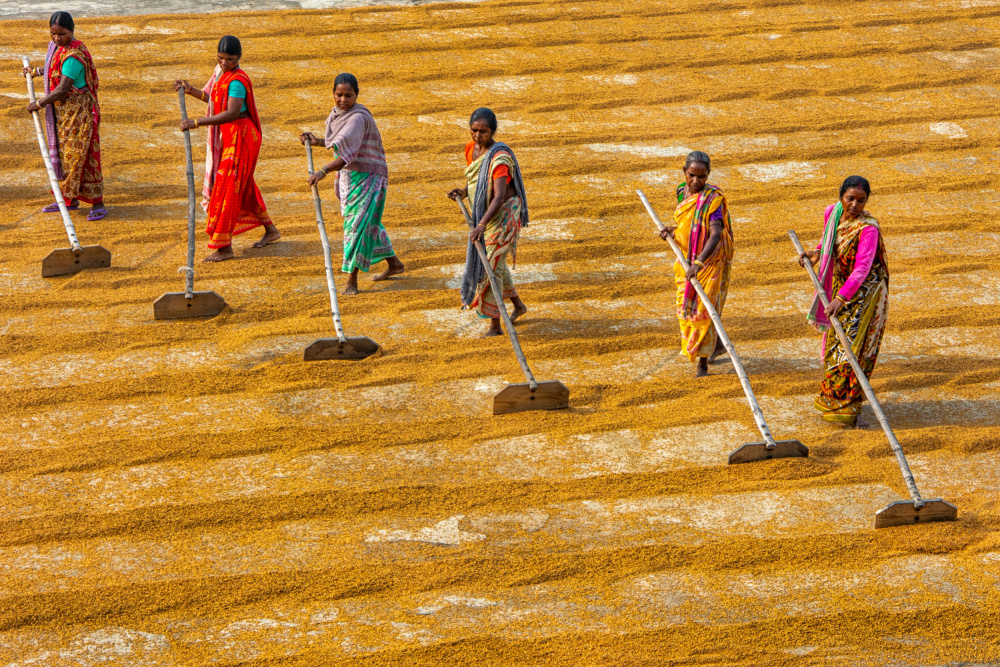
(192, 492)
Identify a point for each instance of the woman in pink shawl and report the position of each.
(357, 148)
(855, 276)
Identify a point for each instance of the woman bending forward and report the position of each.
(72, 118)
(705, 235)
(353, 137)
(496, 190)
(855, 276)
(235, 204)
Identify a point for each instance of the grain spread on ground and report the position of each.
(189, 492)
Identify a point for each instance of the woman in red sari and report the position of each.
(235, 204)
(72, 118)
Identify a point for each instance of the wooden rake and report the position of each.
(64, 261)
(341, 347)
(522, 396)
(174, 305)
(900, 512)
(751, 451)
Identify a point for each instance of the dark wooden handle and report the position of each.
(189, 278)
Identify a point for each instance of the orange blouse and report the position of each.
(500, 172)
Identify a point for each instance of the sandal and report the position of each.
(97, 215)
(54, 208)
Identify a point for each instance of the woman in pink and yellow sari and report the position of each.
(854, 272)
(704, 233)
(72, 118)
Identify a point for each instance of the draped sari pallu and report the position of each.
(692, 219)
(362, 186)
(213, 145)
(499, 239)
(76, 119)
(863, 317)
(235, 205)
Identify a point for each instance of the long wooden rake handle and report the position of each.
(758, 415)
(189, 277)
(498, 295)
(331, 286)
(53, 181)
(897, 449)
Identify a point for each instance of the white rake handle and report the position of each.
(330, 284)
(866, 386)
(758, 414)
(53, 181)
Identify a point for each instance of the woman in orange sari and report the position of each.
(235, 204)
(705, 235)
(72, 118)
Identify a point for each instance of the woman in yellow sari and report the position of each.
(705, 235)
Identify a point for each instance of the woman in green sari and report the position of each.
(363, 180)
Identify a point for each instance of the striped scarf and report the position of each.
(836, 239)
(699, 235)
(817, 315)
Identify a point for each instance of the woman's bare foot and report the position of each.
(351, 288)
(519, 309)
(220, 255)
(494, 329)
(702, 368)
(394, 269)
(719, 350)
(271, 234)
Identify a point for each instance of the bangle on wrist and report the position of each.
(322, 171)
(698, 262)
